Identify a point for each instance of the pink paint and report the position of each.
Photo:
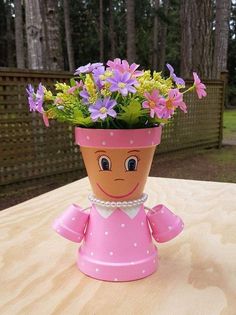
(117, 197)
(118, 138)
(118, 246)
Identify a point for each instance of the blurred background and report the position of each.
(46, 40)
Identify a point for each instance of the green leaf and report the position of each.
(79, 119)
(131, 113)
(72, 82)
(159, 120)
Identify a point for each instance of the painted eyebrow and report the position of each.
(100, 151)
(133, 151)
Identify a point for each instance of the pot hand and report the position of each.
(72, 223)
(165, 225)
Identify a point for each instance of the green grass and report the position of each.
(229, 124)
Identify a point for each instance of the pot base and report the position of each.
(117, 272)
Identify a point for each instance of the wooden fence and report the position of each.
(31, 154)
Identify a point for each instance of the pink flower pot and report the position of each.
(117, 243)
(71, 224)
(164, 223)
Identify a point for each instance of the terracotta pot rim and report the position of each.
(118, 138)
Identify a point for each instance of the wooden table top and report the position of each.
(197, 270)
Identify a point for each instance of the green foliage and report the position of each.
(132, 113)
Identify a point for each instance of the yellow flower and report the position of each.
(62, 87)
(48, 95)
(91, 88)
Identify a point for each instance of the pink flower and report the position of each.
(153, 102)
(75, 87)
(168, 106)
(123, 66)
(200, 87)
(45, 120)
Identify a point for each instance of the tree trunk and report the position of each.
(162, 46)
(10, 48)
(101, 40)
(69, 45)
(34, 34)
(202, 46)
(111, 31)
(196, 37)
(130, 23)
(221, 36)
(52, 35)
(155, 36)
(19, 38)
(186, 39)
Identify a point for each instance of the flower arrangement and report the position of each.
(115, 96)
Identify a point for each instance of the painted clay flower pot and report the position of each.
(117, 243)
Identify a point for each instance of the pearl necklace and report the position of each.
(118, 204)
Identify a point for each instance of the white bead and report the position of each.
(118, 204)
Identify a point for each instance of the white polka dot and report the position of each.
(79, 237)
(115, 279)
(149, 132)
(148, 252)
(73, 219)
(153, 143)
(154, 261)
(142, 223)
(162, 211)
(91, 253)
(169, 227)
(96, 269)
(111, 133)
(87, 137)
(153, 223)
(122, 225)
(131, 141)
(111, 253)
(103, 142)
(106, 233)
(91, 233)
(143, 271)
(135, 244)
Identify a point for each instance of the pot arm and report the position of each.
(165, 225)
(72, 223)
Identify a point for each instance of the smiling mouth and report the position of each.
(120, 196)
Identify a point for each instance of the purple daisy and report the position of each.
(88, 68)
(176, 79)
(35, 99)
(85, 96)
(98, 74)
(122, 82)
(103, 108)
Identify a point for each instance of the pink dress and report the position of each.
(117, 243)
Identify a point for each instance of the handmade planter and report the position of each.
(116, 232)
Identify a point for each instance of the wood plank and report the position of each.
(196, 274)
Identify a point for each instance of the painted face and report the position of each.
(117, 174)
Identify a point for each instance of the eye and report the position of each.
(104, 163)
(131, 163)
